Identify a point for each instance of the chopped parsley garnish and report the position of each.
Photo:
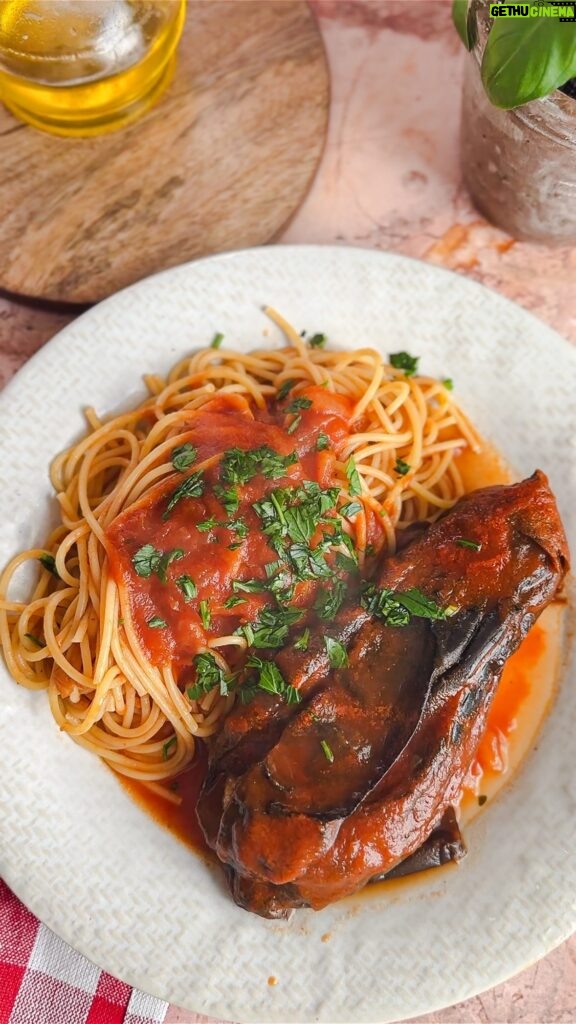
(191, 487)
(217, 340)
(354, 485)
(231, 602)
(402, 467)
(303, 641)
(322, 442)
(49, 563)
(472, 544)
(183, 456)
(404, 361)
(238, 526)
(34, 639)
(207, 524)
(205, 613)
(308, 563)
(249, 586)
(448, 383)
(346, 562)
(327, 751)
(208, 676)
(351, 508)
(156, 622)
(228, 497)
(317, 341)
(239, 466)
(329, 601)
(299, 403)
(149, 560)
(168, 746)
(269, 678)
(187, 586)
(294, 424)
(165, 560)
(285, 389)
(146, 560)
(272, 627)
(396, 608)
(337, 654)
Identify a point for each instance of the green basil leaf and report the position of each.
(527, 58)
(463, 22)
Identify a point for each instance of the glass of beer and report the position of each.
(82, 67)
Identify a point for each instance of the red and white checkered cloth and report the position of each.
(44, 981)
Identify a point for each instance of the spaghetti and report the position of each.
(379, 439)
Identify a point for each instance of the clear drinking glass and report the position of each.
(81, 67)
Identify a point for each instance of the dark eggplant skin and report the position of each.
(403, 720)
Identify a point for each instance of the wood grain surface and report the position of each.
(222, 162)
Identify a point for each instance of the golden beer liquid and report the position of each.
(82, 67)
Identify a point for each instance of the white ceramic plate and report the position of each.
(118, 887)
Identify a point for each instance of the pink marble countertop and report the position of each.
(390, 180)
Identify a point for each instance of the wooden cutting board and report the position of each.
(222, 162)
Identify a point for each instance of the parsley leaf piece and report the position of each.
(231, 602)
(191, 487)
(396, 608)
(34, 639)
(239, 527)
(346, 562)
(303, 641)
(404, 361)
(209, 675)
(353, 476)
(448, 383)
(271, 678)
(308, 563)
(351, 508)
(272, 627)
(183, 456)
(156, 622)
(291, 695)
(249, 586)
(423, 607)
(337, 654)
(207, 524)
(285, 389)
(473, 544)
(146, 560)
(294, 424)
(327, 751)
(239, 466)
(322, 442)
(205, 613)
(228, 497)
(165, 560)
(299, 403)
(186, 584)
(317, 341)
(217, 340)
(167, 747)
(402, 467)
(329, 601)
(49, 563)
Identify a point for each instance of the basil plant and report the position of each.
(525, 58)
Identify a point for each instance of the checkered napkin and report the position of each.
(43, 981)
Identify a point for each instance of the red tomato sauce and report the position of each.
(171, 626)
